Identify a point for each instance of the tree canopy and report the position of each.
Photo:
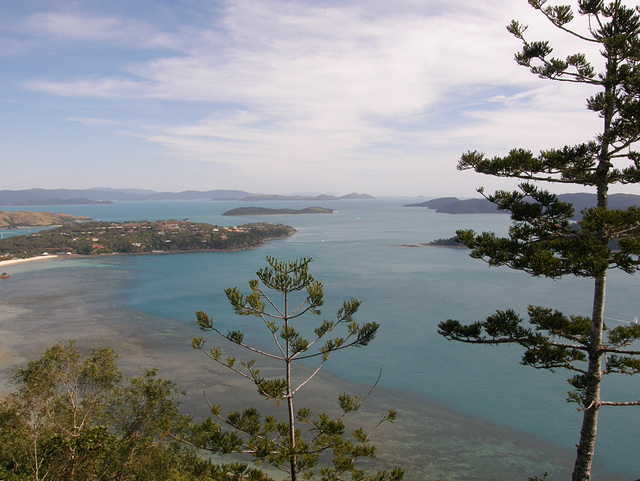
(543, 241)
(76, 418)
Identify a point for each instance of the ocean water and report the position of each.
(364, 250)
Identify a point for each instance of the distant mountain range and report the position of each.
(580, 201)
(106, 195)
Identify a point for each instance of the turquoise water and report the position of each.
(358, 252)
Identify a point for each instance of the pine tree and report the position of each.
(281, 296)
(543, 239)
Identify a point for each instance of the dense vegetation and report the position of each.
(92, 238)
(78, 418)
(449, 242)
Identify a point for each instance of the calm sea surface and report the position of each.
(361, 251)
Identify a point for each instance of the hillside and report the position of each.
(12, 220)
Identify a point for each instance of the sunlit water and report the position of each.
(362, 251)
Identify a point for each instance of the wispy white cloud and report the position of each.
(98, 29)
(346, 87)
(92, 121)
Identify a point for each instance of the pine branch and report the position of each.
(614, 350)
(248, 347)
(560, 22)
(313, 374)
(612, 403)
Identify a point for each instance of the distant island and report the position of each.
(453, 205)
(107, 196)
(96, 238)
(14, 220)
(265, 211)
(580, 201)
(56, 201)
(323, 197)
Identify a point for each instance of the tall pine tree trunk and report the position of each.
(293, 456)
(589, 431)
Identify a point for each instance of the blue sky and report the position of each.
(273, 96)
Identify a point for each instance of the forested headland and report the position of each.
(94, 238)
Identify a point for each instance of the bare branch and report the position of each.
(611, 403)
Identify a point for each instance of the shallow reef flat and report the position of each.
(41, 307)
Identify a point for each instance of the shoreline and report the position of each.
(262, 243)
(12, 262)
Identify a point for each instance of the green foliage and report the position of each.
(75, 418)
(543, 240)
(89, 238)
(295, 445)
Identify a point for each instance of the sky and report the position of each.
(274, 96)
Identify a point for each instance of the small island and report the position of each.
(100, 238)
(265, 211)
(14, 220)
(452, 205)
(452, 242)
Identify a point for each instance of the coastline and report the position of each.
(12, 262)
(260, 244)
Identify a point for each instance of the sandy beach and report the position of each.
(12, 262)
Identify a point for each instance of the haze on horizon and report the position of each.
(274, 96)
